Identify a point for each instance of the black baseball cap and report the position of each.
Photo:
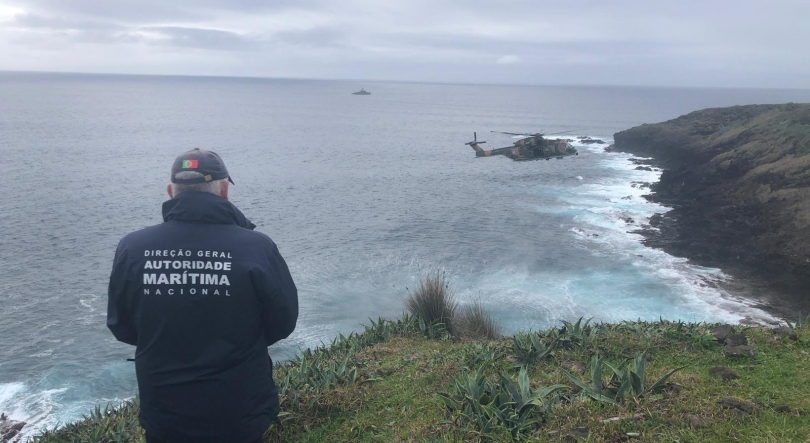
(207, 163)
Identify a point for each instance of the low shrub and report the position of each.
(473, 321)
(433, 301)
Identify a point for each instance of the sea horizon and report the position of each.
(426, 82)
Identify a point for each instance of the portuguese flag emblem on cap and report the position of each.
(189, 164)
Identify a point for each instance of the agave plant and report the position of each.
(800, 322)
(489, 405)
(578, 334)
(311, 374)
(680, 332)
(641, 329)
(623, 384)
(528, 347)
(111, 423)
(480, 354)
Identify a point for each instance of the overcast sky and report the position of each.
(747, 43)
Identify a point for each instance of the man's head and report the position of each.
(198, 170)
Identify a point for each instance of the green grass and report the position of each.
(400, 373)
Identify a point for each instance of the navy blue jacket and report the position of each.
(202, 296)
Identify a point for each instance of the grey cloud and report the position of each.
(37, 21)
(91, 31)
(126, 11)
(685, 42)
(518, 45)
(201, 38)
(319, 37)
(143, 11)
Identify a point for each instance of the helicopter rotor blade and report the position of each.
(564, 132)
(512, 133)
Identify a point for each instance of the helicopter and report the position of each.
(531, 147)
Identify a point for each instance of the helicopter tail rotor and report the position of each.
(474, 144)
(475, 141)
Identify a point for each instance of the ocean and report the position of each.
(362, 194)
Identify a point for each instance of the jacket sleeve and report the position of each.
(119, 315)
(278, 298)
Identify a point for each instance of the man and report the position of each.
(202, 296)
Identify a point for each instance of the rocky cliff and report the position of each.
(738, 180)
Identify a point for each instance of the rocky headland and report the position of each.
(9, 429)
(738, 182)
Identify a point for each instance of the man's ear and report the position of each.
(169, 190)
(224, 191)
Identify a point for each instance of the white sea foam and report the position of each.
(45, 353)
(609, 210)
(20, 402)
(42, 407)
(7, 392)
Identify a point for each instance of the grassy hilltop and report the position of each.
(451, 378)
(738, 179)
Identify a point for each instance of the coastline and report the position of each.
(617, 220)
(725, 213)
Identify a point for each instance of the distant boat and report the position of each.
(361, 92)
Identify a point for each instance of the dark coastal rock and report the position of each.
(9, 428)
(740, 415)
(412, 357)
(757, 402)
(722, 331)
(643, 168)
(785, 332)
(641, 185)
(574, 366)
(735, 340)
(610, 148)
(725, 373)
(786, 409)
(695, 421)
(737, 181)
(576, 435)
(738, 351)
(736, 404)
(749, 321)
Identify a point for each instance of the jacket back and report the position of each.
(202, 296)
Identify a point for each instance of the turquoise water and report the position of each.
(361, 193)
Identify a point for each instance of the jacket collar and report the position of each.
(203, 207)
